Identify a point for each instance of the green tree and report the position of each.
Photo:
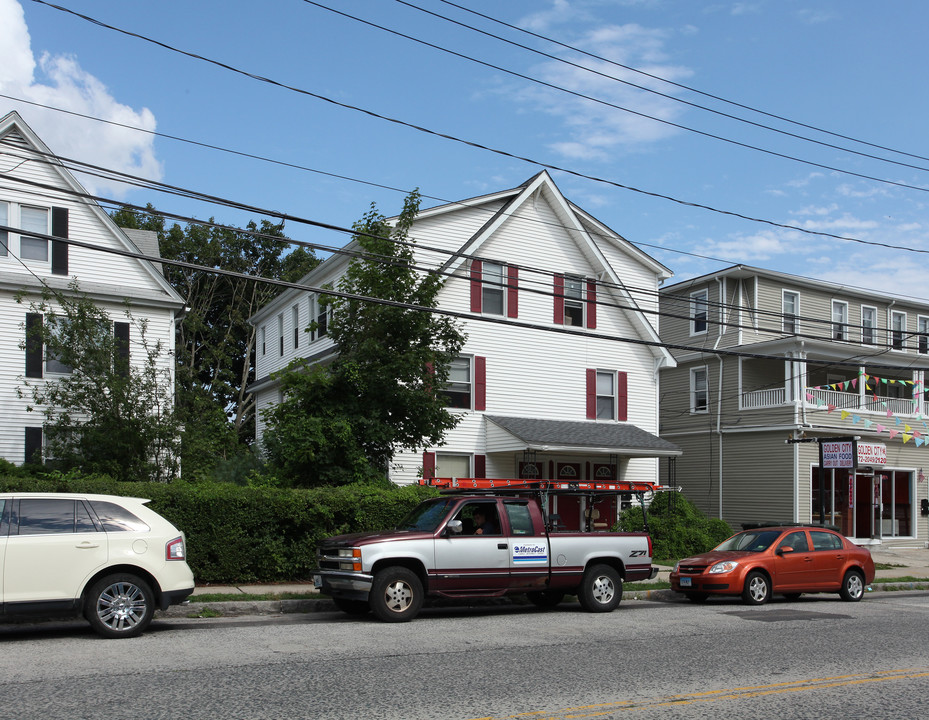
(215, 343)
(104, 414)
(343, 422)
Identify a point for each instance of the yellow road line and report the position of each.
(739, 693)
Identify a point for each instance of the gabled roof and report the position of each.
(571, 218)
(12, 125)
(578, 436)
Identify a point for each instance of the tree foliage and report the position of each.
(215, 343)
(343, 422)
(107, 415)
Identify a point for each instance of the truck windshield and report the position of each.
(428, 516)
(755, 541)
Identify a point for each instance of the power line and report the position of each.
(262, 158)
(470, 143)
(81, 166)
(677, 84)
(564, 330)
(637, 113)
(647, 89)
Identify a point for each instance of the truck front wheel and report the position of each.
(396, 594)
(601, 589)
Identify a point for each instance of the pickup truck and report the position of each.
(478, 546)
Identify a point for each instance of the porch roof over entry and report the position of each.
(509, 434)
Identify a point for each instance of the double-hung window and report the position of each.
(295, 317)
(699, 302)
(573, 301)
(33, 219)
(868, 325)
(319, 314)
(699, 396)
(607, 395)
(839, 320)
(4, 235)
(458, 388)
(790, 312)
(922, 326)
(492, 289)
(898, 330)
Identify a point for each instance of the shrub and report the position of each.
(677, 527)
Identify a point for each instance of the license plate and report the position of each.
(686, 582)
(317, 581)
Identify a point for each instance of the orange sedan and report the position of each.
(779, 560)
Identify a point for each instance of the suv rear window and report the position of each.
(116, 518)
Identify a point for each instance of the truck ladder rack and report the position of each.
(515, 485)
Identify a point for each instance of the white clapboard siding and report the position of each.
(530, 370)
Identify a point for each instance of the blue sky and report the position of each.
(852, 68)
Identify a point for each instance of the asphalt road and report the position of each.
(814, 658)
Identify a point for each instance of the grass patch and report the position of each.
(904, 579)
(887, 566)
(206, 612)
(643, 586)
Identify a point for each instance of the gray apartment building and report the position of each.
(769, 365)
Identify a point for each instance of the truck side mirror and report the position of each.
(454, 527)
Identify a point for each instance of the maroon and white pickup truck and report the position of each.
(478, 546)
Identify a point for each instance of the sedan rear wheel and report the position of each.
(757, 589)
(852, 586)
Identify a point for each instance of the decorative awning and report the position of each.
(511, 434)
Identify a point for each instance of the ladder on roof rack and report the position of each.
(555, 486)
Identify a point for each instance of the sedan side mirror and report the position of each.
(454, 527)
(784, 549)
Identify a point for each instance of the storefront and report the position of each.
(866, 501)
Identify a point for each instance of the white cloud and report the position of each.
(62, 83)
(596, 130)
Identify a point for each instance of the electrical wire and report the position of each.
(680, 85)
(81, 166)
(637, 113)
(469, 143)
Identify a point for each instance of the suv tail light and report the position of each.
(175, 550)
(651, 551)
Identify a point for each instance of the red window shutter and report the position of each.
(480, 466)
(480, 383)
(476, 285)
(558, 318)
(512, 292)
(428, 465)
(592, 304)
(591, 394)
(622, 396)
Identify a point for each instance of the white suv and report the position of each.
(108, 558)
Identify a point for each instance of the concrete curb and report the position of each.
(235, 608)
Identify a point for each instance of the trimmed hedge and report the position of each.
(242, 534)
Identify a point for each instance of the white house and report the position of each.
(563, 383)
(40, 195)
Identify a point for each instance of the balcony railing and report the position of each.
(866, 403)
(763, 398)
(772, 397)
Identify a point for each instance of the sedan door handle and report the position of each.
(87, 546)
(502, 546)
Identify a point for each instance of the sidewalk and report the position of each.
(903, 562)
